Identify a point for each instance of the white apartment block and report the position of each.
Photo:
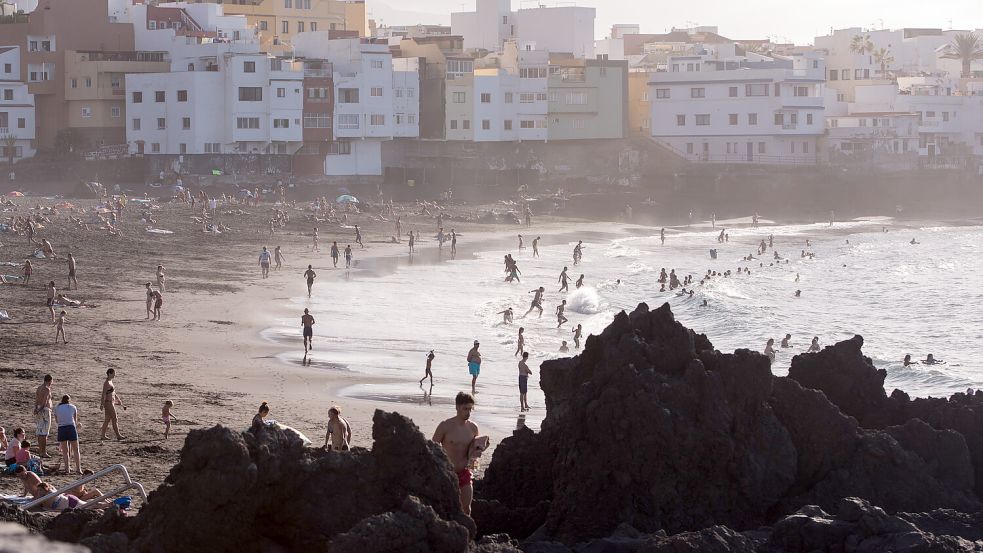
(249, 104)
(406, 101)
(707, 113)
(17, 129)
(559, 29)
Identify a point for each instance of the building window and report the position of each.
(752, 119)
(8, 94)
(213, 148)
(248, 67)
(508, 124)
(347, 95)
(508, 97)
(247, 122)
(86, 111)
(300, 26)
(453, 124)
(689, 147)
(317, 121)
(532, 73)
(760, 89)
(801, 91)
(88, 82)
(732, 119)
(576, 99)
(313, 26)
(459, 97)
(411, 93)
(697, 93)
(486, 124)
(137, 97)
(182, 95)
(680, 120)
(7, 68)
(732, 92)
(377, 119)
(286, 27)
(161, 123)
(186, 123)
(541, 96)
(376, 92)
(794, 118)
(411, 119)
(114, 112)
(703, 119)
(281, 123)
(779, 119)
(159, 96)
(466, 124)
(579, 124)
(808, 119)
(527, 124)
(778, 90)
(281, 92)
(805, 147)
(263, 26)
(945, 116)
(155, 148)
(661, 94)
(485, 98)
(761, 147)
(376, 64)
(136, 124)
(348, 121)
(22, 122)
(834, 75)
(844, 74)
(75, 83)
(288, 3)
(339, 148)
(250, 94)
(526, 97)
(182, 148)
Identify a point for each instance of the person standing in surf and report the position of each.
(564, 281)
(474, 365)
(310, 275)
(524, 373)
(307, 321)
(429, 373)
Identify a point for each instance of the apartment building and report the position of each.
(714, 112)
(17, 133)
(588, 99)
(566, 29)
(885, 140)
(251, 103)
(279, 21)
(438, 54)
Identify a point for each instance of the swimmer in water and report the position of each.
(913, 242)
(580, 281)
(563, 347)
(798, 293)
(930, 360)
(814, 346)
(704, 304)
(907, 360)
(564, 281)
(577, 332)
(787, 341)
(770, 350)
(560, 319)
(506, 316)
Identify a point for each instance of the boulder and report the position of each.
(15, 538)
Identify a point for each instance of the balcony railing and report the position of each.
(318, 72)
(789, 126)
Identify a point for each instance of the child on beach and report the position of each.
(60, 327)
(165, 415)
(429, 373)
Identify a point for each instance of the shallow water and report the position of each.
(902, 298)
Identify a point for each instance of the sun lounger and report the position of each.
(129, 484)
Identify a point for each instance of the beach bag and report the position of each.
(34, 466)
(123, 502)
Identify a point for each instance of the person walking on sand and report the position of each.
(158, 303)
(456, 435)
(560, 319)
(307, 321)
(577, 333)
(71, 272)
(474, 365)
(348, 256)
(264, 262)
(42, 415)
(412, 242)
(67, 418)
(358, 237)
(165, 416)
(315, 247)
(60, 327)
(50, 302)
(160, 277)
(339, 434)
(429, 373)
(521, 246)
(150, 301)
(524, 373)
(399, 230)
(335, 254)
(110, 399)
(310, 275)
(28, 269)
(563, 280)
(535, 247)
(278, 256)
(453, 244)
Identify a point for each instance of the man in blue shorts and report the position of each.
(474, 365)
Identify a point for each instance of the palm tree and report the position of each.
(883, 58)
(861, 44)
(966, 47)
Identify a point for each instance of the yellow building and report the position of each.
(639, 107)
(279, 20)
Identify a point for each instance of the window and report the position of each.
(161, 123)
(281, 123)
(485, 98)
(137, 97)
(834, 75)
(8, 94)
(756, 89)
(778, 89)
(466, 124)
(75, 83)
(805, 147)
(662, 93)
(579, 124)
(680, 120)
(945, 115)
(541, 96)
(159, 96)
(703, 119)
(250, 94)
(411, 93)
(858, 74)
(155, 148)
(288, 3)
(508, 97)
(791, 146)
(808, 119)
(348, 121)
(576, 99)
(377, 119)
(453, 124)
(317, 121)
(929, 114)
(526, 97)
(86, 111)
(801, 91)
(182, 148)
(411, 119)
(247, 122)
(300, 26)
(7, 68)
(779, 119)
(88, 82)
(213, 148)
(752, 119)
(286, 27)
(794, 118)
(263, 26)
(376, 64)
(136, 124)
(697, 93)
(22, 123)
(761, 147)
(732, 119)
(532, 73)
(182, 95)
(114, 112)
(33, 46)
(248, 67)
(339, 148)
(689, 147)
(376, 92)
(460, 97)
(186, 123)
(486, 124)
(347, 95)
(313, 26)
(460, 66)
(844, 74)
(732, 92)
(527, 124)
(281, 92)
(508, 124)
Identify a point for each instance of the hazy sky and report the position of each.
(780, 20)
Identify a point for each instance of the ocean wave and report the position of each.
(585, 301)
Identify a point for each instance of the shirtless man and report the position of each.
(429, 373)
(560, 319)
(814, 346)
(506, 316)
(335, 254)
(279, 258)
(453, 244)
(537, 301)
(521, 246)
(580, 281)
(160, 277)
(578, 252)
(264, 262)
(577, 333)
(520, 342)
(358, 237)
(71, 272)
(60, 327)
(455, 435)
(316, 247)
(787, 341)
(524, 373)
(310, 275)
(307, 321)
(339, 434)
(564, 281)
(474, 365)
(52, 292)
(42, 414)
(535, 247)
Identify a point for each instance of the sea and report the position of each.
(379, 320)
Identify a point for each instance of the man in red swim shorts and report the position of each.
(455, 436)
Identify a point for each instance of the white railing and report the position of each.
(128, 485)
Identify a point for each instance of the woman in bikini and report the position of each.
(109, 402)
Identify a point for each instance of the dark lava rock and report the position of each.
(15, 538)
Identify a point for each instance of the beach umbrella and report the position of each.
(15, 194)
(347, 199)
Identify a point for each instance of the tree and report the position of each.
(883, 58)
(966, 47)
(9, 144)
(861, 44)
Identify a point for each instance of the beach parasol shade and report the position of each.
(15, 193)
(347, 199)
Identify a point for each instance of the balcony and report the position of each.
(789, 126)
(318, 72)
(4, 131)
